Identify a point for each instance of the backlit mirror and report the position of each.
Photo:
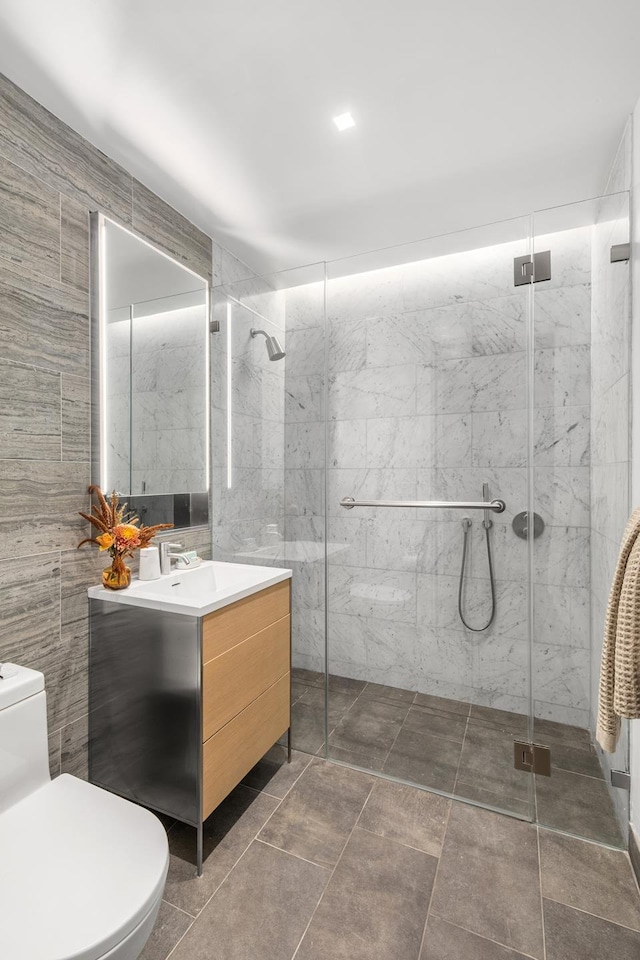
(150, 376)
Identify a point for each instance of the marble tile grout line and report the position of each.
(326, 886)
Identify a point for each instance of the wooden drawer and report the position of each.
(225, 628)
(231, 752)
(231, 681)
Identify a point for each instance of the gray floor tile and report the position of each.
(487, 762)
(319, 812)
(273, 775)
(171, 925)
(260, 911)
(228, 832)
(488, 880)
(297, 689)
(573, 935)
(312, 677)
(444, 941)
(514, 723)
(339, 702)
(375, 905)
(420, 758)
(436, 723)
(379, 691)
(471, 791)
(364, 760)
(346, 685)
(576, 757)
(551, 730)
(369, 727)
(577, 804)
(589, 877)
(414, 817)
(442, 703)
(307, 727)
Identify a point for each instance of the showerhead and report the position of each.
(274, 349)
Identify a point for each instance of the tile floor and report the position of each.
(318, 861)
(455, 747)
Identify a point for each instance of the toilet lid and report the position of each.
(79, 869)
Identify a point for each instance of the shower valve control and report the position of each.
(520, 525)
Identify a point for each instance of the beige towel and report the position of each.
(620, 670)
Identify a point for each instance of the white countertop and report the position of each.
(197, 592)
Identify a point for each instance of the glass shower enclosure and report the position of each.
(433, 398)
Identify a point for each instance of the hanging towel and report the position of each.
(620, 669)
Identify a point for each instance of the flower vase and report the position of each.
(117, 576)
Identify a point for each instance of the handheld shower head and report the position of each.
(274, 349)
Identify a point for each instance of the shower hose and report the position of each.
(466, 526)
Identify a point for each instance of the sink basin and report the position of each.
(196, 592)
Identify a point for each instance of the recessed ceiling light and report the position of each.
(344, 121)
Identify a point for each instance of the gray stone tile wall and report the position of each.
(50, 179)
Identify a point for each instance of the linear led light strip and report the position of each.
(229, 411)
(102, 294)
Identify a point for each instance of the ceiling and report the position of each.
(466, 112)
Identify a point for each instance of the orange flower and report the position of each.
(127, 536)
(105, 541)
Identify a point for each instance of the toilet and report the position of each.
(82, 871)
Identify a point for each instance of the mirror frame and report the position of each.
(189, 510)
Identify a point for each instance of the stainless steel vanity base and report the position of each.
(199, 848)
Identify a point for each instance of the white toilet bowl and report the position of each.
(81, 871)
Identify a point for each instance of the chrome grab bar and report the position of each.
(496, 506)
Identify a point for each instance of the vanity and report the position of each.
(189, 685)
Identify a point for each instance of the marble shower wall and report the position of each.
(610, 425)
(50, 178)
(427, 399)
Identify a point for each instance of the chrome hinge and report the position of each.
(620, 252)
(532, 757)
(526, 270)
(622, 779)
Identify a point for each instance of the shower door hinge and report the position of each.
(526, 270)
(532, 757)
(622, 779)
(620, 252)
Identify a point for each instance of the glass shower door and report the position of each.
(428, 659)
(580, 490)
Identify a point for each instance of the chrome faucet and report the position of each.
(166, 556)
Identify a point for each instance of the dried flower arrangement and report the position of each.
(119, 534)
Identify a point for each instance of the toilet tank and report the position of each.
(24, 753)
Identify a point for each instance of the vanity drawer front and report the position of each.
(231, 752)
(225, 628)
(234, 679)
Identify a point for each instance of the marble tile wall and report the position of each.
(610, 425)
(50, 178)
(427, 399)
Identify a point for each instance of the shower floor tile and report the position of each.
(339, 864)
(455, 747)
